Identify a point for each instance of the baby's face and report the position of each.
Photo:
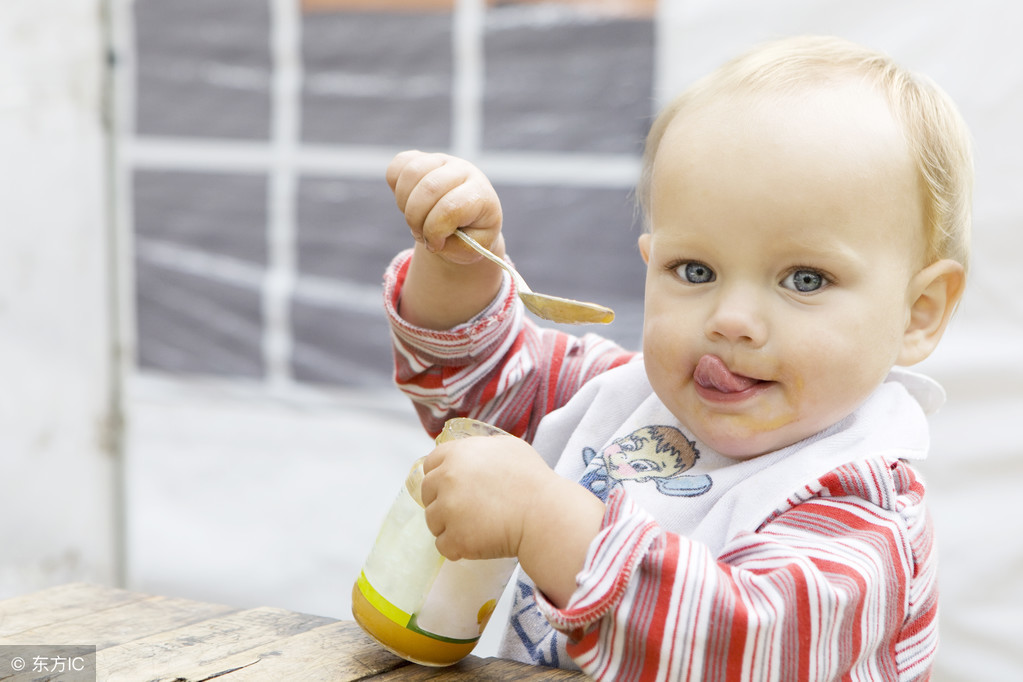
(785, 234)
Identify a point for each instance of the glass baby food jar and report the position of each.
(408, 597)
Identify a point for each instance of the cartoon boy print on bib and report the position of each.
(657, 454)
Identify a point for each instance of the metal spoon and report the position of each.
(553, 308)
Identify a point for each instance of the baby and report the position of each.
(738, 501)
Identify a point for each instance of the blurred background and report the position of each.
(197, 397)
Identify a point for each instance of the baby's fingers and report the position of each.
(430, 189)
(398, 164)
(462, 206)
(408, 169)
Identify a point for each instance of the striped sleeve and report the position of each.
(498, 367)
(839, 585)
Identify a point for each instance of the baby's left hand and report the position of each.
(478, 493)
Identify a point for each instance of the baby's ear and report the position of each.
(932, 295)
(644, 247)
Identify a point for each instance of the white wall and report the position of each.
(57, 478)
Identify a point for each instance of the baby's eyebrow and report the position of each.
(822, 248)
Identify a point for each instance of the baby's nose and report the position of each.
(738, 318)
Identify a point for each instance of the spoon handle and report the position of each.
(520, 283)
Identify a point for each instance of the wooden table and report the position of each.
(145, 637)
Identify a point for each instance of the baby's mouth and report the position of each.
(712, 373)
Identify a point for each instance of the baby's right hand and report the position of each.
(438, 194)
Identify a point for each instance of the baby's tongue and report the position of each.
(711, 372)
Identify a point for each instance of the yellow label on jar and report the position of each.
(378, 602)
(397, 630)
(399, 617)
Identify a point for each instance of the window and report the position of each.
(261, 221)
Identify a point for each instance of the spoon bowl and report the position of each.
(553, 308)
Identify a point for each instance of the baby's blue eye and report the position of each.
(804, 281)
(696, 273)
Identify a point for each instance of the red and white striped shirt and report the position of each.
(833, 579)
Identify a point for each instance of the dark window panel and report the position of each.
(214, 213)
(204, 68)
(190, 324)
(579, 242)
(377, 78)
(574, 241)
(575, 83)
(342, 347)
(200, 259)
(348, 229)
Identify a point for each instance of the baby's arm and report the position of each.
(836, 587)
(500, 368)
(447, 283)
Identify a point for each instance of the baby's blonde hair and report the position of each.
(935, 131)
